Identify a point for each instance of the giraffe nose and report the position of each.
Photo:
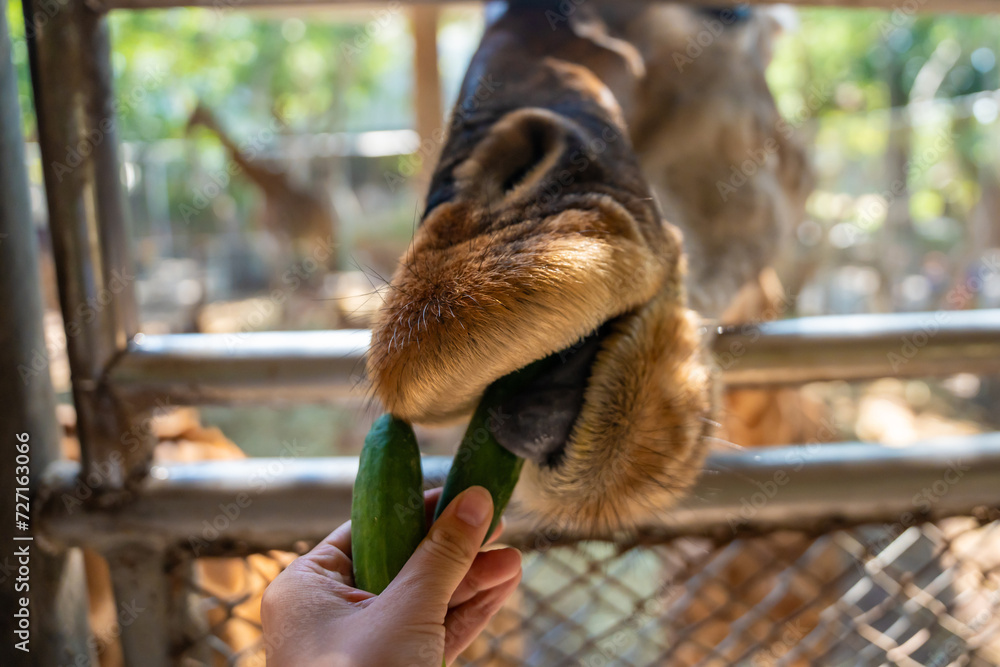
(515, 157)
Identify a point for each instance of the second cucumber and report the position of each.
(387, 510)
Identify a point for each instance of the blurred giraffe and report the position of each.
(298, 215)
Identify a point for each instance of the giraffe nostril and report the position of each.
(517, 154)
(539, 142)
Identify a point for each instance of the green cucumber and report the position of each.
(480, 459)
(387, 521)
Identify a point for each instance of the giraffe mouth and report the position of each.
(536, 423)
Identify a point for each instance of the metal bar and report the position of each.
(950, 6)
(142, 595)
(857, 347)
(57, 611)
(266, 367)
(233, 507)
(71, 75)
(322, 366)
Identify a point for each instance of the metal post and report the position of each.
(138, 576)
(71, 74)
(57, 611)
(324, 366)
(427, 104)
(284, 500)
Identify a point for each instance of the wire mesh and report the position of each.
(892, 594)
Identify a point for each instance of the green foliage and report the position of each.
(835, 72)
(855, 82)
(313, 75)
(19, 54)
(841, 57)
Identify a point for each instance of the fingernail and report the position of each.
(475, 506)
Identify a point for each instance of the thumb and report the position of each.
(426, 583)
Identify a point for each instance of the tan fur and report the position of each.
(523, 251)
(700, 124)
(479, 310)
(637, 442)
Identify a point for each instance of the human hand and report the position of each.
(441, 600)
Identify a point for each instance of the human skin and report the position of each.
(442, 599)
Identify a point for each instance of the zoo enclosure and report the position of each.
(142, 520)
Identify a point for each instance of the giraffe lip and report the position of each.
(536, 423)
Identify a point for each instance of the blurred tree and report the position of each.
(865, 86)
(903, 118)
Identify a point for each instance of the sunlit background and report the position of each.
(901, 113)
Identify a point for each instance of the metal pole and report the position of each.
(142, 596)
(71, 74)
(859, 347)
(237, 507)
(57, 620)
(188, 620)
(262, 367)
(325, 366)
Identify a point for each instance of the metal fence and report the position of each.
(840, 554)
(925, 594)
(810, 576)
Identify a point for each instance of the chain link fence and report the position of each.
(889, 594)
